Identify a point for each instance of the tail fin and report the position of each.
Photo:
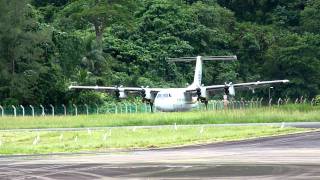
(199, 59)
(198, 73)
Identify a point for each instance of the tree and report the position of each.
(310, 17)
(26, 51)
(297, 58)
(99, 14)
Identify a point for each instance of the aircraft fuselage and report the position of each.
(172, 100)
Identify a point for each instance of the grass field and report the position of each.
(288, 113)
(126, 138)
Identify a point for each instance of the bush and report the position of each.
(317, 100)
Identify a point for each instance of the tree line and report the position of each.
(46, 45)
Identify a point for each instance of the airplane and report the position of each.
(182, 99)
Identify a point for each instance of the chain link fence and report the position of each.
(130, 108)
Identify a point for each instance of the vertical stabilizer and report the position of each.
(198, 73)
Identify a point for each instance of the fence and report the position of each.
(129, 108)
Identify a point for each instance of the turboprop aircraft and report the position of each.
(182, 99)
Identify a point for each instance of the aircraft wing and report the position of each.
(240, 86)
(246, 86)
(112, 89)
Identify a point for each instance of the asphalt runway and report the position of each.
(285, 157)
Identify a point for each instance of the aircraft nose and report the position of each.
(162, 105)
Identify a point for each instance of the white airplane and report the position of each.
(182, 99)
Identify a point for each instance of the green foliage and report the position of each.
(317, 100)
(46, 45)
(296, 57)
(310, 16)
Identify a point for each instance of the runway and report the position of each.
(285, 157)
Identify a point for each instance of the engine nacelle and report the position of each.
(147, 95)
(202, 93)
(122, 94)
(232, 91)
(229, 90)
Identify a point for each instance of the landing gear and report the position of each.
(204, 101)
(149, 102)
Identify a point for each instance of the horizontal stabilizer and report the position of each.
(204, 58)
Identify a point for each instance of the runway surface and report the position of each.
(285, 157)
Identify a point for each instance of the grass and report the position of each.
(22, 142)
(288, 113)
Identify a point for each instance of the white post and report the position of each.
(32, 110)
(296, 102)
(75, 109)
(42, 114)
(301, 99)
(2, 111)
(14, 111)
(64, 109)
(87, 109)
(136, 107)
(251, 103)
(279, 101)
(126, 107)
(287, 100)
(97, 108)
(261, 102)
(242, 102)
(270, 102)
(312, 103)
(23, 112)
(52, 109)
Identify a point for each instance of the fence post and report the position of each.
(270, 102)
(2, 111)
(23, 112)
(279, 101)
(241, 103)
(126, 107)
(32, 110)
(136, 105)
(312, 101)
(251, 102)
(87, 109)
(14, 111)
(287, 100)
(52, 109)
(257, 102)
(296, 102)
(64, 110)
(116, 108)
(261, 102)
(75, 109)
(301, 99)
(42, 114)
(97, 108)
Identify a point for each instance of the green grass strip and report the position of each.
(290, 113)
(28, 142)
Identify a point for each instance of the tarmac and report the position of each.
(294, 156)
